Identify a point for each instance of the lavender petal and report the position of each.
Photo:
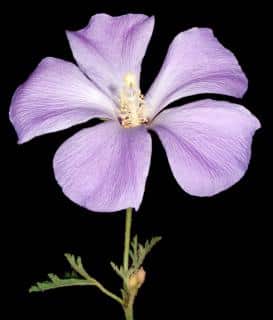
(208, 144)
(196, 63)
(57, 95)
(110, 47)
(104, 168)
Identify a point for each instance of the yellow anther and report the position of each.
(132, 108)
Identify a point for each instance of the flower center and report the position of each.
(132, 106)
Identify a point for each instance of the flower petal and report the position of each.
(57, 95)
(208, 144)
(196, 63)
(104, 168)
(110, 47)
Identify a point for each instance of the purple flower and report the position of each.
(104, 168)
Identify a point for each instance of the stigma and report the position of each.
(132, 106)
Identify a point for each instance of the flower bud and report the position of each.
(137, 279)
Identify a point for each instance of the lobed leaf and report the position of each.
(56, 282)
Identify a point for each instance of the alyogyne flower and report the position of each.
(104, 168)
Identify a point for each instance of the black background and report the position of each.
(213, 258)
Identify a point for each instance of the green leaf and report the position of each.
(56, 282)
(72, 274)
(70, 279)
(139, 252)
(86, 280)
(119, 270)
(76, 264)
(134, 251)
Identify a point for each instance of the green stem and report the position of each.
(128, 224)
(129, 313)
(108, 293)
(77, 266)
(128, 308)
